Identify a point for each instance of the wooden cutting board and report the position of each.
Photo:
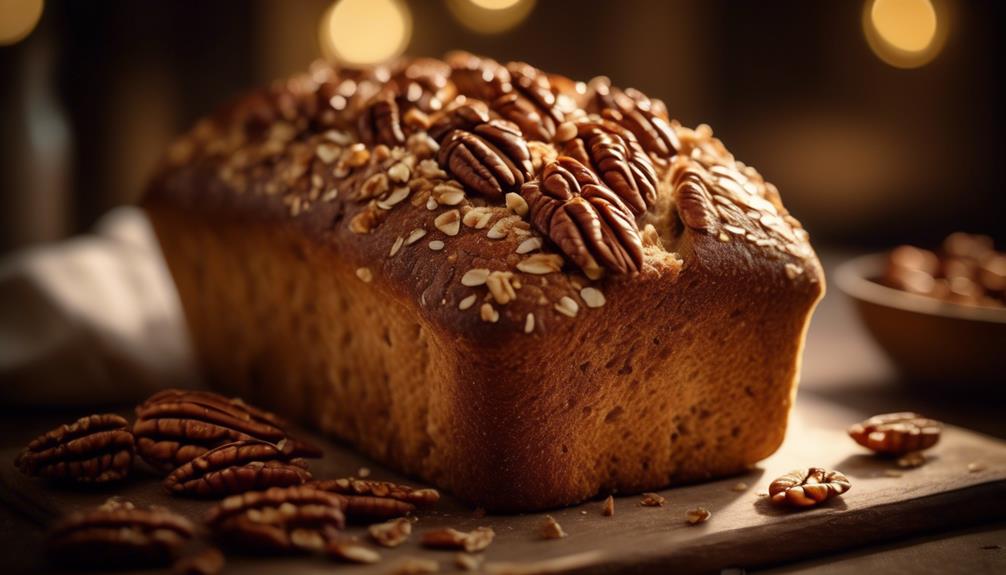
(963, 482)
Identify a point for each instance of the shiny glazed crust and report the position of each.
(682, 371)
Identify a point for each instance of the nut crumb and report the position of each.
(593, 297)
(447, 538)
(912, 460)
(467, 302)
(352, 552)
(363, 472)
(436, 245)
(391, 533)
(567, 306)
(468, 562)
(488, 313)
(448, 222)
(475, 277)
(739, 486)
(540, 264)
(698, 515)
(365, 275)
(414, 236)
(608, 507)
(652, 500)
(529, 323)
(516, 204)
(975, 467)
(551, 529)
(892, 473)
(414, 566)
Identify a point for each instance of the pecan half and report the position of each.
(278, 520)
(381, 123)
(175, 426)
(897, 433)
(634, 111)
(464, 117)
(93, 449)
(808, 487)
(119, 535)
(588, 222)
(519, 110)
(422, 83)
(480, 78)
(536, 86)
(616, 156)
(368, 500)
(492, 159)
(235, 468)
(694, 201)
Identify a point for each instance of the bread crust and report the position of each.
(686, 372)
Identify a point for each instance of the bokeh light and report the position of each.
(490, 16)
(361, 32)
(904, 33)
(17, 19)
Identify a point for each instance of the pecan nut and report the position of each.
(536, 86)
(619, 161)
(464, 117)
(93, 449)
(475, 540)
(381, 123)
(634, 111)
(391, 533)
(492, 159)
(517, 109)
(174, 426)
(808, 487)
(278, 520)
(480, 78)
(589, 222)
(249, 465)
(422, 83)
(694, 202)
(897, 433)
(371, 500)
(119, 535)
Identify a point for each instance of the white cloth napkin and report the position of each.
(95, 319)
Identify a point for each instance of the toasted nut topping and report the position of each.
(358, 155)
(448, 195)
(897, 433)
(327, 153)
(448, 222)
(808, 487)
(541, 264)
(330, 195)
(608, 507)
(550, 528)
(431, 204)
(567, 306)
(395, 197)
(500, 286)
(529, 245)
(499, 229)
(472, 541)
(391, 533)
(351, 551)
(516, 204)
(436, 245)
(414, 236)
(365, 275)
(373, 187)
(793, 270)
(565, 132)
(592, 297)
(396, 246)
(364, 221)
(698, 515)
(467, 302)
(652, 500)
(399, 173)
(478, 217)
(487, 313)
(475, 277)
(529, 323)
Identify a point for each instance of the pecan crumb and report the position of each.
(447, 538)
(468, 562)
(363, 472)
(391, 533)
(912, 460)
(739, 486)
(652, 500)
(975, 467)
(415, 566)
(551, 529)
(608, 508)
(351, 551)
(698, 515)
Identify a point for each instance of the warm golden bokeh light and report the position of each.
(904, 33)
(17, 19)
(490, 16)
(361, 32)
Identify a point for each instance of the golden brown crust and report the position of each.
(417, 346)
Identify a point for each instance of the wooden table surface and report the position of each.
(845, 376)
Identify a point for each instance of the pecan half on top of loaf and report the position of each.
(645, 118)
(897, 433)
(423, 83)
(589, 222)
(619, 161)
(531, 104)
(808, 487)
(368, 500)
(249, 465)
(93, 449)
(278, 520)
(118, 534)
(175, 426)
(491, 159)
(381, 123)
(476, 77)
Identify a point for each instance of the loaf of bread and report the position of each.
(524, 289)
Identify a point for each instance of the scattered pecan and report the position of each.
(447, 538)
(369, 500)
(652, 500)
(235, 468)
(278, 520)
(694, 201)
(697, 515)
(93, 449)
(492, 159)
(550, 528)
(208, 561)
(464, 117)
(175, 426)
(118, 534)
(391, 533)
(619, 161)
(381, 123)
(588, 222)
(608, 507)
(807, 487)
(480, 78)
(897, 433)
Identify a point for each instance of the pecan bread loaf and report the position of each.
(524, 289)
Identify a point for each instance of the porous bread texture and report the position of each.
(686, 372)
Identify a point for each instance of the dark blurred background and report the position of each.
(869, 143)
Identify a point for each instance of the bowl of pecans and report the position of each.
(939, 314)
